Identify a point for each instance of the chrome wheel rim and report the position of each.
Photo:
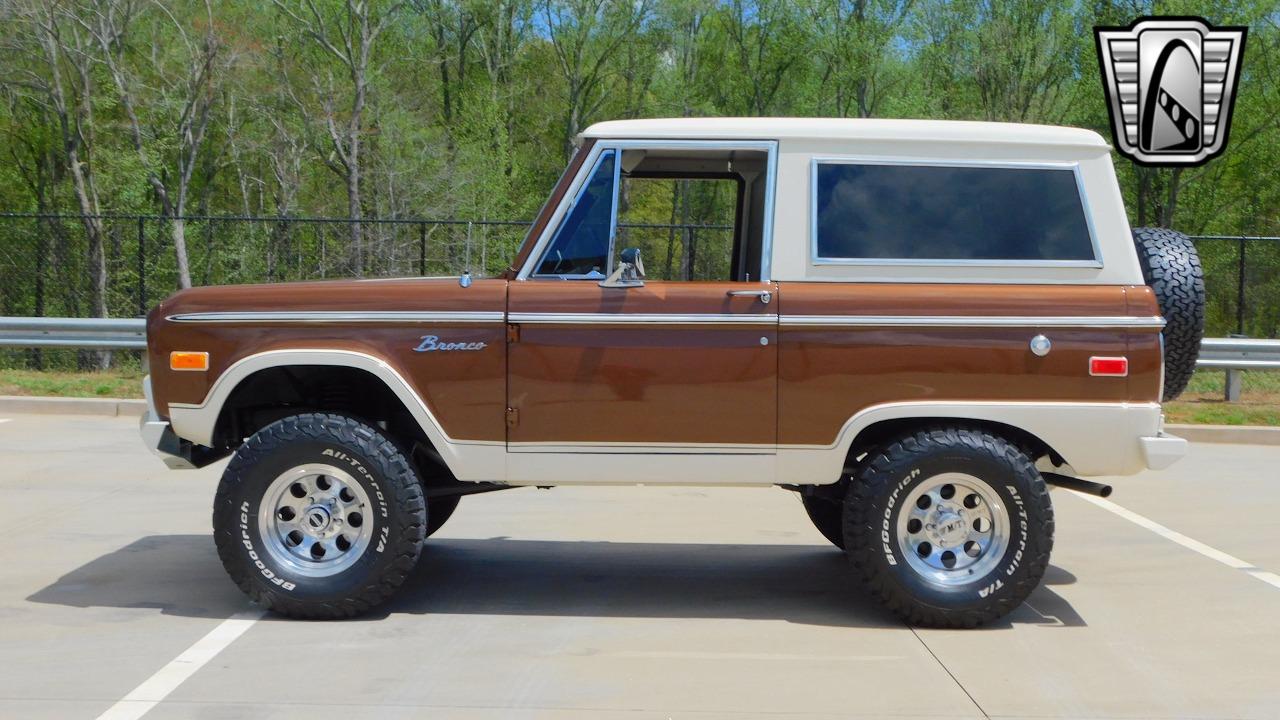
(315, 520)
(953, 529)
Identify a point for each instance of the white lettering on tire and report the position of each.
(1023, 530)
(885, 535)
(364, 473)
(253, 554)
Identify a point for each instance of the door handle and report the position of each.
(764, 295)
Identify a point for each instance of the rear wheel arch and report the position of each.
(877, 433)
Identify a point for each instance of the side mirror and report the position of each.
(630, 272)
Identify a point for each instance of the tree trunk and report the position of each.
(353, 210)
(178, 230)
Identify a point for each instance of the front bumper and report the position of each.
(1163, 450)
(159, 437)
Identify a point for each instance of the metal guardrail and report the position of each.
(80, 333)
(1239, 354)
(1235, 355)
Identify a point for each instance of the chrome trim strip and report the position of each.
(1070, 321)
(346, 316)
(639, 318)
(1074, 167)
(770, 147)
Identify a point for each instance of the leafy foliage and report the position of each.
(385, 109)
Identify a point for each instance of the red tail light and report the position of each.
(1109, 366)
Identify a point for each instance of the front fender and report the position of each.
(478, 460)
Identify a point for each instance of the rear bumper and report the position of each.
(159, 437)
(1163, 450)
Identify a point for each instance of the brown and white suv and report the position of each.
(914, 325)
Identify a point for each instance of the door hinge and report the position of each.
(513, 333)
(513, 417)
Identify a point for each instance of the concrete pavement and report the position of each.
(627, 602)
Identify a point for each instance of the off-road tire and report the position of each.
(439, 510)
(827, 515)
(398, 516)
(871, 512)
(1171, 267)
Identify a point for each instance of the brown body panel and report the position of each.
(629, 382)
(592, 380)
(829, 373)
(1146, 357)
(466, 391)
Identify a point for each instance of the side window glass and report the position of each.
(949, 213)
(580, 248)
(684, 228)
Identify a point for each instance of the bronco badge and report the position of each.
(431, 343)
(1170, 85)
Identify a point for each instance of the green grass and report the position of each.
(119, 383)
(1201, 404)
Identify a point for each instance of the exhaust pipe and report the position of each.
(1074, 483)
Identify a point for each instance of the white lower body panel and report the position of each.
(1094, 439)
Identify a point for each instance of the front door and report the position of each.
(670, 367)
(670, 380)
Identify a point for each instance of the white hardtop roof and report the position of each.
(763, 128)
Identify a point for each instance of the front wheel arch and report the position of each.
(209, 423)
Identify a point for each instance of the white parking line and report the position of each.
(4, 420)
(167, 679)
(1269, 578)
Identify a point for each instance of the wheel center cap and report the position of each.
(949, 528)
(316, 519)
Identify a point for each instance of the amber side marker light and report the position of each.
(1109, 366)
(180, 360)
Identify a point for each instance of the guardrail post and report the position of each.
(1234, 385)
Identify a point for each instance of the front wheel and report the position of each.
(319, 516)
(949, 527)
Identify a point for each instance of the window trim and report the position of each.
(769, 147)
(613, 220)
(1074, 167)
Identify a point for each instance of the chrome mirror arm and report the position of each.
(629, 273)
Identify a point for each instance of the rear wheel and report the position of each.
(949, 527)
(319, 516)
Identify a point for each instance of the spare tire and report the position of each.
(1171, 267)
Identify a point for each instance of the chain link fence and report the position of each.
(46, 267)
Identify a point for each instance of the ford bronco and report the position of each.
(913, 325)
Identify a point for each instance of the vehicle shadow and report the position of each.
(176, 574)
(809, 584)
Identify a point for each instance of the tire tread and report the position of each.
(1171, 266)
(406, 497)
(862, 522)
